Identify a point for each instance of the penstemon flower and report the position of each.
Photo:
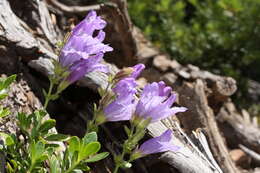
(137, 69)
(156, 101)
(158, 144)
(122, 108)
(83, 52)
(129, 72)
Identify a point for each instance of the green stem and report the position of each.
(119, 163)
(71, 168)
(90, 126)
(31, 167)
(48, 96)
(116, 169)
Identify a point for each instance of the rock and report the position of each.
(144, 47)
(175, 65)
(184, 74)
(193, 67)
(254, 90)
(162, 62)
(151, 75)
(169, 78)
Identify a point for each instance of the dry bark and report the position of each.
(241, 129)
(201, 115)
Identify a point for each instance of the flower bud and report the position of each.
(125, 72)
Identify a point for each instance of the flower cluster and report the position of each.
(83, 52)
(154, 104)
(155, 101)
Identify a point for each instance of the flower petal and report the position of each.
(158, 144)
(156, 101)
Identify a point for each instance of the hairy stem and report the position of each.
(48, 96)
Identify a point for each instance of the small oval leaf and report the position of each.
(74, 144)
(47, 125)
(89, 149)
(90, 137)
(57, 137)
(8, 140)
(97, 157)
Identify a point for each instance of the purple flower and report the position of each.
(156, 101)
(122, 108)
(129, 72)
(125, 86)
(137, 70)
(158, 144)
(83, 52)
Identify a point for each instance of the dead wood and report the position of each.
(255, 156)
(241, 129)
(188, 159)
(201, 115)
(73, 9)
(12, 31)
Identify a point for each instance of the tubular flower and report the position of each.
(158, 144)
(83, 52)
(156, 101)
(130, 72)
(137, 69)
(122, 108)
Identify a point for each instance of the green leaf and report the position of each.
(47, 125)
(54, 165)
(127, 130)
(52, 145)
(54, 96)
(3, 95)
(74, 144)
(75, 158)
(89, 149)
(77, 171)
(40, 113)
(9, 168)
(14, 163)
(97, 157)
(9, 80)
(57, 137)
(44, 93)
(4, 112)
(49, 150)
(8, 140)
(25, 122)
(6, 82)
(36, 150)
(42, 158)
(66, 161)
(90, 137)
(83, 167)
